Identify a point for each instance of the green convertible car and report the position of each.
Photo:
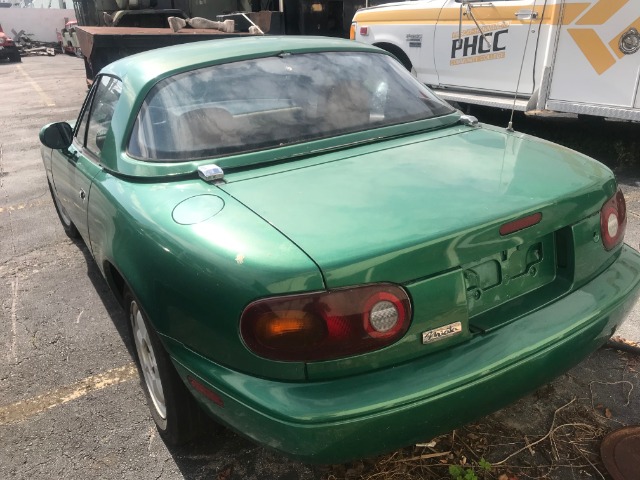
(321, 254)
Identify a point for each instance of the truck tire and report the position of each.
(15, 57)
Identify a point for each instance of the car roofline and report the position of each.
(151, 66)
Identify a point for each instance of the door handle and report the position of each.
(526, 15)
(480, 4)
(71, 155)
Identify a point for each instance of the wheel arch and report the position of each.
(397, 52)
(120, 283)
(115, 280)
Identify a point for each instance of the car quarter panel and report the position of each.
(193, 280)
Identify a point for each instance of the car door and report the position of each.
(73, 170)
(489, 62)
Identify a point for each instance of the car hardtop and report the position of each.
(141, 71)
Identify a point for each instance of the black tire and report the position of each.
(68, 226)
(175, 412)
(15, 57)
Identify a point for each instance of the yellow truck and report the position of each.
(576, 57)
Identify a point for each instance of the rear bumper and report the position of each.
(362, 415)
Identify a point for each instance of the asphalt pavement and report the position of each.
(70, 401)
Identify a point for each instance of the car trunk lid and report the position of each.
(425, 206)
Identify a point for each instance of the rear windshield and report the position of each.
(269, 102)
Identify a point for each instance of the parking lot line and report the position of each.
(14, 300)
(20, 411)
(37, 202)
(46, 98)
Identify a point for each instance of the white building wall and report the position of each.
(41, 22)
(43, 3)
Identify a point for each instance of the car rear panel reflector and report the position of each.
(520, 224)
(210, 394)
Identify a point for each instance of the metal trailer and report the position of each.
(102, 45)
(300, 17)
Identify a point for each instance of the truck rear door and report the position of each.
(597, 63)
(492, 64)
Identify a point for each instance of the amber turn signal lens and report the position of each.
(282, 328)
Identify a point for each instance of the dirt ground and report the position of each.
(71, 406)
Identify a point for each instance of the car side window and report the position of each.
(81, 131)
(102, 108)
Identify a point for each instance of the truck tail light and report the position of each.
(326, 325)
(352, 32)
(613, 220)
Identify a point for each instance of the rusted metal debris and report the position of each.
(177, 24)
(27, 46)
(620, 452)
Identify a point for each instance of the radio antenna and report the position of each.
(524, 54)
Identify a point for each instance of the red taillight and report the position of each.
(326, 325)
(613, 220)
(364, 31)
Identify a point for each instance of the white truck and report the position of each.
(543, 57)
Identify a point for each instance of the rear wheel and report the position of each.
(68, 226)
(15, 57)
(174, 411)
